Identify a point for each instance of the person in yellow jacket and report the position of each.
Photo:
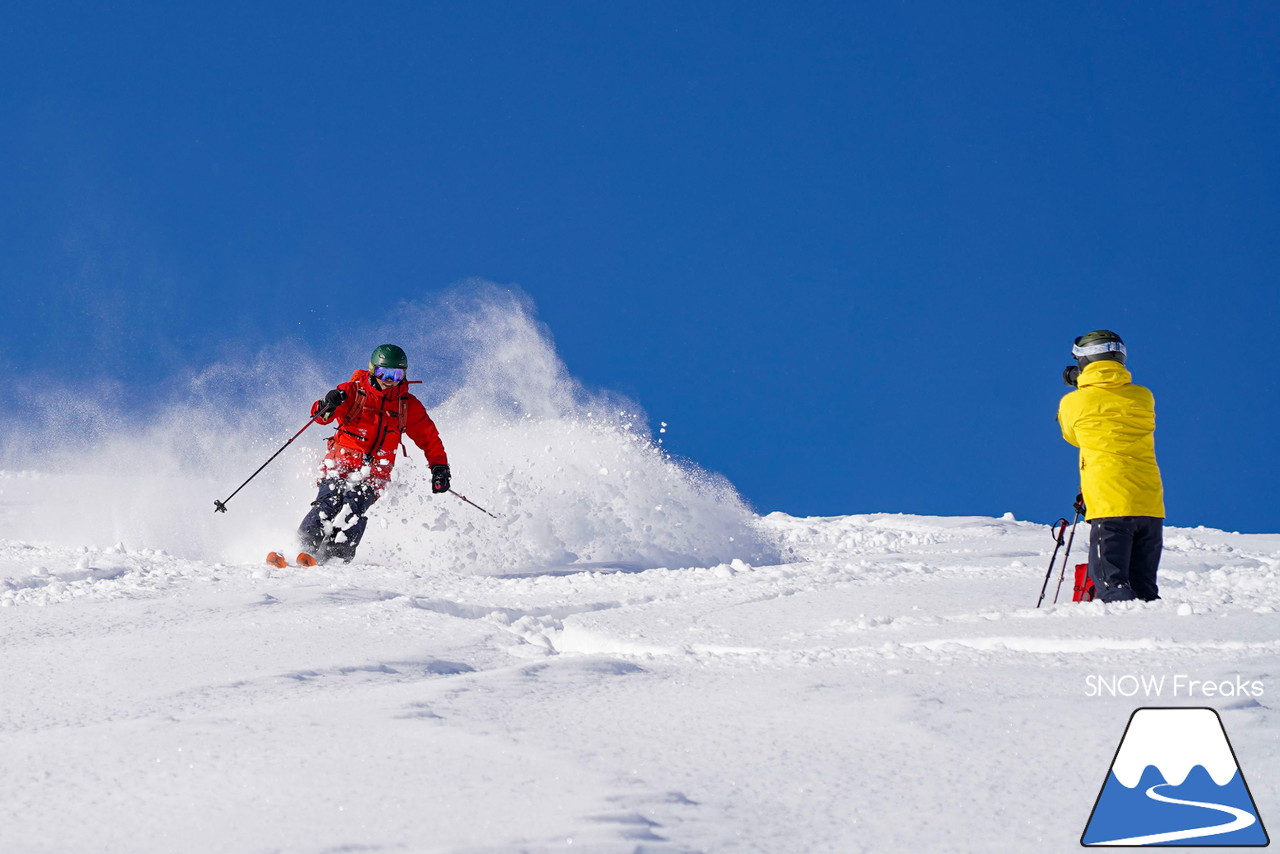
(1113, 423)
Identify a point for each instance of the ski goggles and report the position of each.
(390, 376)
(1097, 349)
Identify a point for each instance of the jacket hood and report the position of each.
(1104, 374)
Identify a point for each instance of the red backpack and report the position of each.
(1084, 590)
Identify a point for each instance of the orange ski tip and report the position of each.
(305, 559)
(278, 560)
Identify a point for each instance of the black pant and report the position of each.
(1124, 554)
(329, 531)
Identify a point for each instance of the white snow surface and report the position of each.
(888, 686)
(627, 660)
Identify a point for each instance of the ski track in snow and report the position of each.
(891, 686)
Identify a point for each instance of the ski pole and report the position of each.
(1058, 530)
(1079, 508)
(472, 503)
(221, 506)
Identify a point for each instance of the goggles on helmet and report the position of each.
(1097, 349)
(390, 376)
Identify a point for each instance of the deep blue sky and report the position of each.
(842, 248)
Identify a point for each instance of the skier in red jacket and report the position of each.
(373, 410)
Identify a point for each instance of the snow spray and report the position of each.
(573, 474)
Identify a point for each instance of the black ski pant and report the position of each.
(336, 522)
(1124, 554)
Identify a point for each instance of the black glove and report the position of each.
(1069, 374)
(324, 408)
(440, 478)
(1079, 505)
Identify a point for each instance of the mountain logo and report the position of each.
(1175, 781)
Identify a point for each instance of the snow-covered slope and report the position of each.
(628, 659)
(887, 687)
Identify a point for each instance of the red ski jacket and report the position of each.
(371, 422)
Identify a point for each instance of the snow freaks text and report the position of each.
(1176, 685)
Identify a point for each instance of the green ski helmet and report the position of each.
(1099, 345)
(388, 356)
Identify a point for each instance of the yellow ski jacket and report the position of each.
(1113, 423)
